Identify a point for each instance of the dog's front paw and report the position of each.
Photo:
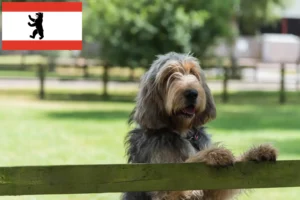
(264, 152)
(218, 156)
(214, 156)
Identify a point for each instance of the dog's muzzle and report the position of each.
(191, 96)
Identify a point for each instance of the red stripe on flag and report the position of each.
(41, 45)
(41, 7)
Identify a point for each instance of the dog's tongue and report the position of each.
(189, 110)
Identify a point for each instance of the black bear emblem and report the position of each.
(38, 25)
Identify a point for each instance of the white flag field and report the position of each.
(41, 25)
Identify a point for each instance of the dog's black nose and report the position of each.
(191, 94)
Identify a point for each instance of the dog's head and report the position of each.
(173, 93)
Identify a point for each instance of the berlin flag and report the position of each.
(41, 25)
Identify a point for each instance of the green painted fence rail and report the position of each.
(80, 179)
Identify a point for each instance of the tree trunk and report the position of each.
(23, 56)
(85, 70)
(82, 63)
(131, 75)
(51, 63)
(105, 80)
(235, 70)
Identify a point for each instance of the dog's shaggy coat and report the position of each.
(173, 104)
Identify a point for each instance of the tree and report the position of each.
(132, 33)
(253, 14)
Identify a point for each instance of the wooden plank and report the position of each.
(70, 179)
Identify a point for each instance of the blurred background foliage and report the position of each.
(156, 26)
(123, 27)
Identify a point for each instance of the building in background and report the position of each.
(289, 21)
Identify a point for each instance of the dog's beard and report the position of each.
(187, 112)
(182, 123)
(182, 116)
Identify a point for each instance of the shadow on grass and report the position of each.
(245, 111)
(90, 115)
(258, 97)
(89, 97)
(236, 98)
(258, 117)
(256, 110)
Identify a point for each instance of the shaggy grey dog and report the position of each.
(172, 106)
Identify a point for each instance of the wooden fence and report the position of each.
(80, 179)
(210, 63)
(43, 65)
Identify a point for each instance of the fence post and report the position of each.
(42, 80)
(225, 83)
(105, 80)
(23, 65)
(282, 97)
(297, 75)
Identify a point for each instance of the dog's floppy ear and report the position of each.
(148, 112)
(210, 111)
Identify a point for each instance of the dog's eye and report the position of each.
(173, 77)
(196, 74)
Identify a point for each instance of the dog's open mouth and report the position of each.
(188, 111)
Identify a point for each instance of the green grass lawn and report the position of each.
(54, 132)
